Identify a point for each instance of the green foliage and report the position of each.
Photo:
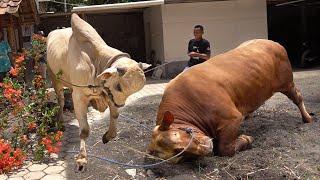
(27, 120)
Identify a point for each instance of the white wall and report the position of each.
(227, 24)
(154, 32)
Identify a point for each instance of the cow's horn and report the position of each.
(121, 70)
(167, 120)
(144, 66)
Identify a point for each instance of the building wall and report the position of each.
(227, 24)
(153, 27)
(123, 31)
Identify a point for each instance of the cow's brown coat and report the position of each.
(214, 97)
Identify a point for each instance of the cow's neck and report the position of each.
(186, 114)
(181, 124)
(106, 57)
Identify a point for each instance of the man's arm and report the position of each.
(194, 54)
(204, 56)
(190, 52)
(207, 53)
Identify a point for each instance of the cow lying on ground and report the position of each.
(80, 57)
(214, 97)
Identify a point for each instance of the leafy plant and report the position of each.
(27, 120)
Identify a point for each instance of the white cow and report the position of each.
(78, 58)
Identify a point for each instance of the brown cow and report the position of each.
(214, 97)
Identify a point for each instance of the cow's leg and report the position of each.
(60, 95)
(294, 94)
(229, 143)
(112, 131)
(58, 88)
(80, 108)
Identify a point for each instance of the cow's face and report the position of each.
(169, 140)
(123, 81)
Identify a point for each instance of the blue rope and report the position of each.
(188, 130)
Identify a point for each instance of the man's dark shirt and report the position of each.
(202, 46)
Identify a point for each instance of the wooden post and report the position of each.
(1, 19)
(20, 34)
(11, 36)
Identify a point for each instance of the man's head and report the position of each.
(198, 32)
(169, 139)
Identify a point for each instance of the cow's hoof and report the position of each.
(108, 137)
(81, 163)
(308, 120)
(80, 168)
(104, 139)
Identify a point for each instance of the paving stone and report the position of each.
(27, 164)
(64, 137)
(72, 146)
(19, 173)
(54, 156)
(61, 155)
(54, 169)
(34, 175)
(37, 167)
(63, 173)
(3, 177)
(73, 135)
(16, 178)
(53, 177)
(60, 162)
(73, 140)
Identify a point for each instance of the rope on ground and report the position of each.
(188, 130)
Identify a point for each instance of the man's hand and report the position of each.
(204, 56)
(194, 54)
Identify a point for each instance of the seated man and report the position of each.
(198, 48)
(6, 62)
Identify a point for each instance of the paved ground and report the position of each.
(284, 147)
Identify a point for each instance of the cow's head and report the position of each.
(123, 80)
(170, 139)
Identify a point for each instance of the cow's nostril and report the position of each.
(119, 106)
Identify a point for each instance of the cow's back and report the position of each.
(244, 77)
(57, 48)
(250, 73)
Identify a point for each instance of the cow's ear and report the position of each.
(167, 120)
(107, 73)
(144, 66)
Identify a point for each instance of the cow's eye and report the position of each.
(118, 87)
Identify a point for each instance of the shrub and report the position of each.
(28, 125)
